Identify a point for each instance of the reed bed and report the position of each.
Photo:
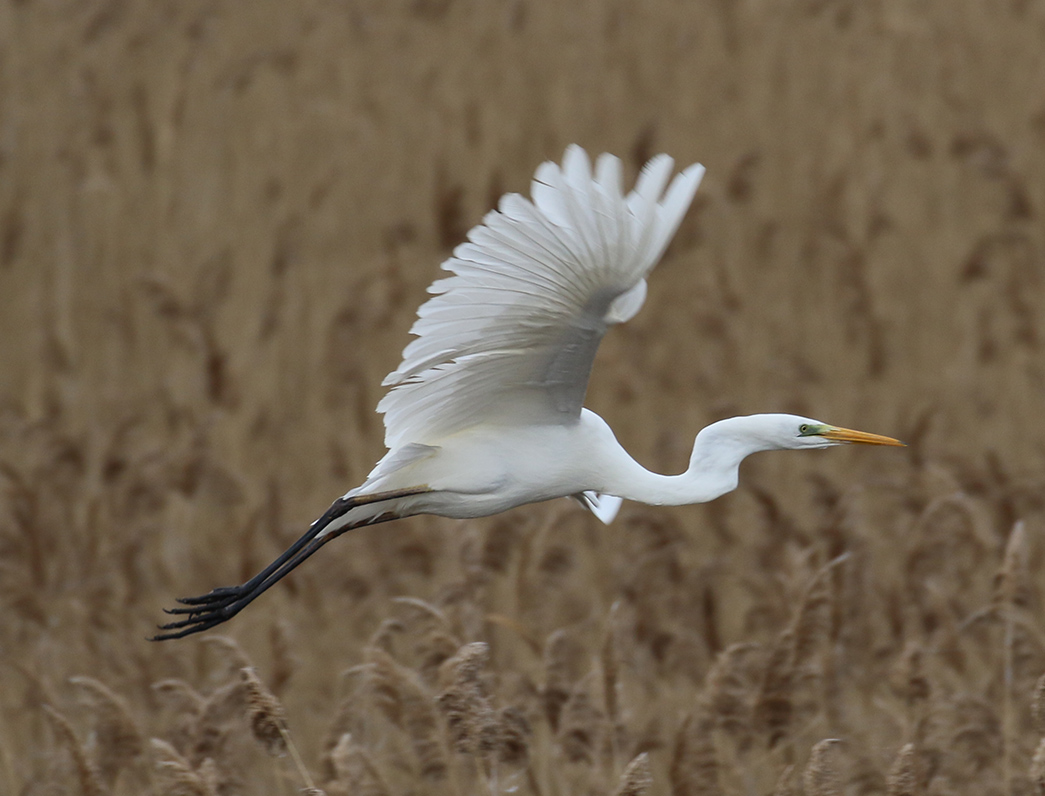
(216, 222)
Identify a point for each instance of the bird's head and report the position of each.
(737, 437)
(794, 432)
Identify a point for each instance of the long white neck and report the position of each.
(713, 468)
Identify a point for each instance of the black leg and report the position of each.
(221, 604)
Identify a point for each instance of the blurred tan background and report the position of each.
(217, 221)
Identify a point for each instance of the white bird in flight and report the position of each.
(485, 411)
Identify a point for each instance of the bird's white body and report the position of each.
(484, 470)
(485, 412)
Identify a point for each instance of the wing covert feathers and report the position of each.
(510, 337)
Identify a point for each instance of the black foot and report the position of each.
(220, 605)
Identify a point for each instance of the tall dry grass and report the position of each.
(216, 222)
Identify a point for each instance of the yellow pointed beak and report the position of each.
(848, 435)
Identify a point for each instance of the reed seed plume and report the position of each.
(774, 706)
(354, 771)
(118, 738)
(695, 765)
(821, 776)
(1011, 581)
(1037, 769)
(183, 706)
(785, 784)
(180, 692)
(216, 720)
(1010, 594)
(637, 778)
(86, 773)
(176, 776)
(727, 691)
(268, 722)
(1038, 705)
(231, 651)
(268, 719)
(466, 704)
(399, 694)
(514, 736)
(904, 777)
(812, 622)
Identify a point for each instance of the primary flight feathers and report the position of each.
(511, 336)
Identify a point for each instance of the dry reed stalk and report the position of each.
(909, 682)
(284, 662)
(903, 778)
(785, 783)
(354, 771)
(86, 774)
(466, 704)
(347, 719)
(235, 656)
(424, 608)
(268, 722)
(181, 691)
(609, 657)
(636, 779)
(694, 762)
(403, 699)
(383, 638)
(581, 724)
(562, 656)
(1037, 769)
(119, 739)
(176, 775)
(213, 725)
(821, 776)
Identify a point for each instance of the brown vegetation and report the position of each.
(216, 222)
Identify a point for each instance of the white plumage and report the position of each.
(485, 412)
(510, 338)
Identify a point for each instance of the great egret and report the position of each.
(485, 411)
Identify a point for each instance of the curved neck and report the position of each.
(713, 469)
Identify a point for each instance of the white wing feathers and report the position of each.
(510, 338)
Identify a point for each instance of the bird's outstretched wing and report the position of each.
(510, 338)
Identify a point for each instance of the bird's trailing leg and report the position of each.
(221, 604)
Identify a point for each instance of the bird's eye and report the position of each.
(803, 429)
